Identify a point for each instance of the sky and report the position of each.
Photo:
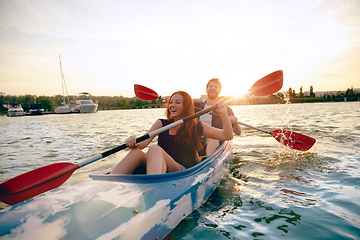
(107, 46)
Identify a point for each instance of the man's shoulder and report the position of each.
(199, 105)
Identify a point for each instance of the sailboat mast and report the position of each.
(63, 82)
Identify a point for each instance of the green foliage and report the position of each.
(48, 103)
(350, 92)
(301, 94)
(312, 94)
(120, 102)
(3, 110)
(291, 93)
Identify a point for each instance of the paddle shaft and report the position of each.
(156, 132)
(241, 123)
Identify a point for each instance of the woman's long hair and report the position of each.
(188, 131)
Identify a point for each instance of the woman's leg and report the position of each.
(212, 145)
(158, 161)
(130, 162)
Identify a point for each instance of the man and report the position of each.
(213, 89)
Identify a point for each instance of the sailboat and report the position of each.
(65, 107)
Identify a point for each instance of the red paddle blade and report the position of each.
(293, 140)
(268, 85)
(35, 182)
(145, 93)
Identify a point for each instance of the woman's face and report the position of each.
(176, 106)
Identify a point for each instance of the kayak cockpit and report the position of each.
(209, 163)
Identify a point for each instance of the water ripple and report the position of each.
(271, 192)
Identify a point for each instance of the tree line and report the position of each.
(349, 95)
(290, 96)
(50, 103)
(119, 102)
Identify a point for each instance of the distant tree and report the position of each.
(3, 102)
(139, 102)
(273, 98)
(301, 94)
(312, 94)
(276, 98)
(48, 103)
(121, 102)
(350, 92)
(291, 93)
(280, 95)
(59, 100)
(26, 101)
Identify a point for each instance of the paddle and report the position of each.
(43, 179)
(291, 139)
(267, 85)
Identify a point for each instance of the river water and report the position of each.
(271, 192)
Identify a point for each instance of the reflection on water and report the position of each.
(271, 192)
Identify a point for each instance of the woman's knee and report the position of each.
(154, 149)
(155, 154)
(136, 154)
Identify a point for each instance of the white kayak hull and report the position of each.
(117, 206)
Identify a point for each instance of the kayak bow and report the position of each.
(123, 206)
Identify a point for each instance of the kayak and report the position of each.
(107, 206)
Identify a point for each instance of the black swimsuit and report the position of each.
(180, 152)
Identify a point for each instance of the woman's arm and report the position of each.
(131, 141)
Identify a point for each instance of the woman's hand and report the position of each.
(233, 119)
(131, 142)
(221, 109)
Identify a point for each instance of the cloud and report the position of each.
(112, 45)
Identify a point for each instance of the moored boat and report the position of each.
(118, 206)
(84, 104)
(65, 107)
(36, 109)
(15, 110)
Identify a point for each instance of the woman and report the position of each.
(177, 147)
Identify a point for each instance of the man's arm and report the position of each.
(236, 126)
(233, 119)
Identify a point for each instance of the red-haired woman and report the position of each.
(177, 147)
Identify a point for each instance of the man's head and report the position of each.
(213, 88)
